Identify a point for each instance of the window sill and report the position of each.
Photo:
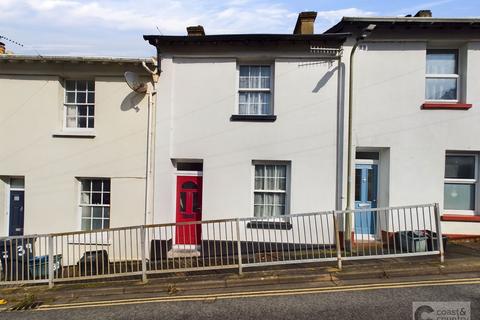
(460, 218)
(253, 118)
(273, 225)
(74, 134)
(446, 106)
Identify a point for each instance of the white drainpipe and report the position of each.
(150, 151)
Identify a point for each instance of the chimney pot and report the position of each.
(2, 48)
(195, 31)
(305, 22)
(424, 14)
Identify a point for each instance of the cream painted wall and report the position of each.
(197, 96)
(389, 92)
(31, 112)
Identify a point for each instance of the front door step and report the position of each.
(183, 253)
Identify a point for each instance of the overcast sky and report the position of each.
(115, 27)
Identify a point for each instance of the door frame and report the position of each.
(177, 173)
(8, 189)
(189, 174)
(184, 173)
(367, 162)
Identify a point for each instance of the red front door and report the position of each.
(189, 208)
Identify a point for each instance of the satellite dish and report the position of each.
(133, 81)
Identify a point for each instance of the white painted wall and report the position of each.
(389, 92)
(197, 96)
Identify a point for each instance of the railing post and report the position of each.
(239, 248)
(439, 232)
(143, 250)
(51, 263)
(337, 240)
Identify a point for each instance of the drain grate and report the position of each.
(25, 306)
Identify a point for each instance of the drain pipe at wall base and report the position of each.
(340, 137)
(348, 217)
(339, 157)
(150, 149)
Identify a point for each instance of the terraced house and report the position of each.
(73, 144)
(246, 124)
(416, 115)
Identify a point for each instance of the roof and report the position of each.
(421, 21)
(72, 59)
(160, 40)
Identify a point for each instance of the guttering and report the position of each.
(412, 20)
(74, 59)
(406, 21)
(157, 40)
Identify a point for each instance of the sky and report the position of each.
(115, 27)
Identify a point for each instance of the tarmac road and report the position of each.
(349, 301)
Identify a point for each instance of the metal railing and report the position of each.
(219, 244)
(288, 239)
(391, 232)
(189, 246)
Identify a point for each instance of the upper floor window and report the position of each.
(255, 90)
(79, 109)
(442, 78)
(270, 193)
(460, 182)
(95, 204)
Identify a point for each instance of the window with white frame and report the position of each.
(270, 192)
(79, 109)
(95, 203)
(255, 90)
(461, 180)
(442, 78)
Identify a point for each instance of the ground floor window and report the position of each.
(461, 179)
(95, 203)
(270, 192)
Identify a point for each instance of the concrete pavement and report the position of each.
(462, 260)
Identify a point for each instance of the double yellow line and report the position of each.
(265, 293)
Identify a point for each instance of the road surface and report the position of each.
(391, 301)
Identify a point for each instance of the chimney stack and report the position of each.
(195, 31)
(305, 22)
(2, 48)
(423, 14)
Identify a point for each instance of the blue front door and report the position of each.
(17, 198)
(365, 197)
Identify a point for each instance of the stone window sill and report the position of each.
(75, 134)
(273, 225)
(445, 106)
(460, 218)
(253, 118)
